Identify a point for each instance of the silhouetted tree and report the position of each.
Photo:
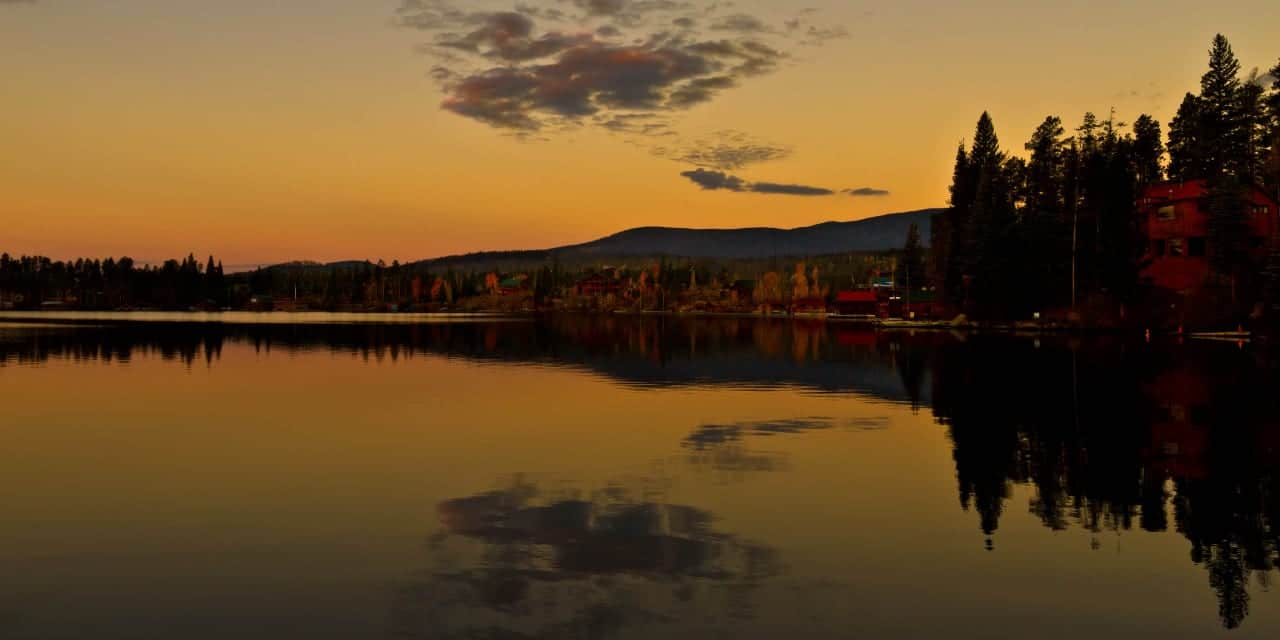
(1187, 153)
(912, 269)
(1148, 150)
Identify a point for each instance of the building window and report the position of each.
(1166, 213)
(1177, 247)
(1258, 210)
(1157, 248)
(1195, 247)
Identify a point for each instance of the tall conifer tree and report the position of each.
(1148, 150)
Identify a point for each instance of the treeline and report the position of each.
(1060, 227)
(32, 281)
(657, 282)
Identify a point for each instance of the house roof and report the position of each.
(1189, 190)
(856, 296)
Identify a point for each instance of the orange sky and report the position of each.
(314, 130)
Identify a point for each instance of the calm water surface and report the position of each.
(629, 478)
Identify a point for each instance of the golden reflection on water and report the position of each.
(308, 492)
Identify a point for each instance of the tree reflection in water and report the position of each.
(1111, 435)
(1104, 432)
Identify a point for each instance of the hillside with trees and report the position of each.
(649, 268)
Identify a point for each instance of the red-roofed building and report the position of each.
(597, 284)
(859, 302)
(1177, 228)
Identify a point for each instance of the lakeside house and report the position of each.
(858, 302)
(1176, 221)
(597, 284)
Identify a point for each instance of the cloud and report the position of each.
(740, 23)
(589, 77)
(509, 36)
(441, 74)
(627, 13)
(750, 57)
(817, 36)
(721, 181)
(700, 90)
(813, 35)
(866, 192)
(714, 180)
(509, 70)
(640, 124)
(724, 150)
(790, 189)
(550, 14)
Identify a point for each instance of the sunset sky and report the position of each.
(404, 129)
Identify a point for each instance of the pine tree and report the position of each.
(1220, 118)
(912, 267)
(1120, 241)
(1087, 133)
(986, 154)
(1045, 169)
(951, 241)
(1255, 132)
(1271, 170)
(991, 218)
(1187, 141)
(1148, 150)
(215, 287)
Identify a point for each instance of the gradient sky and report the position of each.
(317, 129)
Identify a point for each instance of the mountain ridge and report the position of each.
(877, 233)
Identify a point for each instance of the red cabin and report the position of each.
(863, 302)
(597, 284)
(1177, 228)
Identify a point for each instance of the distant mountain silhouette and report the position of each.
(870, 235)
(881, 233)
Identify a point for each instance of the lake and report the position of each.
(174, 476)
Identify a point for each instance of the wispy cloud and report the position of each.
(741, 23)
(719, 180)
(724, 150)
(789, 189)
(867, 192)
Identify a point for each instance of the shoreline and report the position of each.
(385, 317)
